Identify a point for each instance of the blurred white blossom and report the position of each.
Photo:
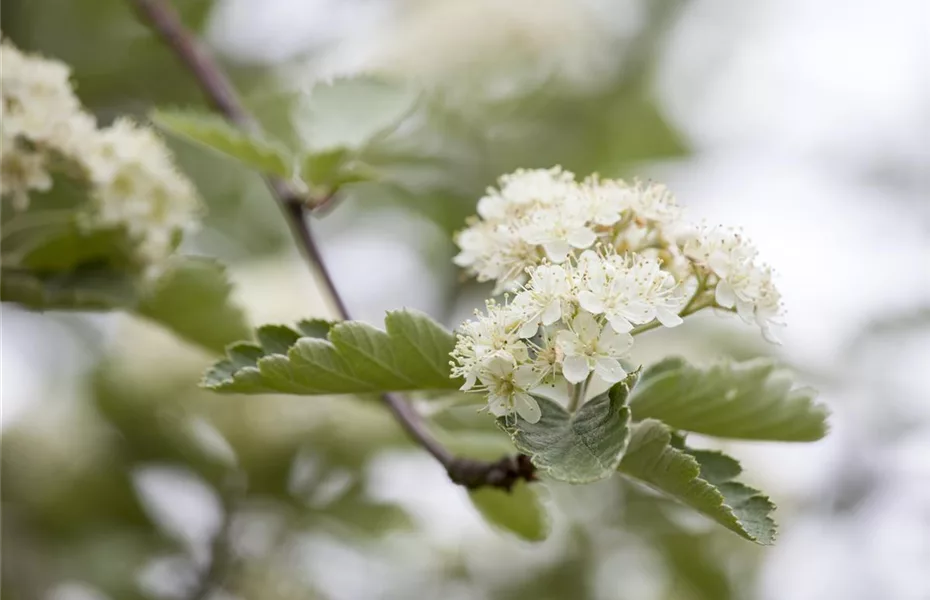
(137, 186)
(130, 175)
(41, 121)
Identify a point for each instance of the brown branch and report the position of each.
(163, 19)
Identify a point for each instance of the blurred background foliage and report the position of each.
(123, 481)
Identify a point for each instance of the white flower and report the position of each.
(508, 389)
(540, 302)
(489, 335)
(42, 122)
(606, 199)
(495, 253)
(589, 347)
(768, 307)
(543, 187)
(21, 171)
(560, 228)
(743, 284)
(137, 186)
(627, 292)
(652, 201)
(133, 183)
(575, 307)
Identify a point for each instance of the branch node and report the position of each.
(503, 473)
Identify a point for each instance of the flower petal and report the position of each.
(575, 368)
(745, 309)
(525, 377)
(590, 302)
(557, 250)
(724, 294)
(527, 407)
(609, 370)
(768, 333)
(528, 329)
(581, 237)
(552, 312)
(567, 342)
(585, 327)
(613, 343)
(667, 317)
(498, 405)
(719, 262)
(469, 382)
(619, 324)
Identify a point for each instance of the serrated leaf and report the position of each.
(354, 357)
(716, 467)
(752, 400)
(519, 511)
(192, 299)
(263, 155)
(650, 458)
(581, 447)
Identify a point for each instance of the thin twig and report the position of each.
(163, 19)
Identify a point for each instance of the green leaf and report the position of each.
(350, 112)
(752, 400)
(89, 287)
(651, 459)
(581, 447)
(331, 169)
(67, 246)
(192, 298)
(264, 155)
(412, 354)
(519, 511)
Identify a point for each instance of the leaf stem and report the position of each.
(164, 20)
(699, 300)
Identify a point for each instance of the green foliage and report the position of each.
(350, 112)
(65, 268)
(519, 511)
(412, 354)
(752, 400)
(213, 132)
(651, 458)
(580, 447)
(90, 287)
(331, 169)
(326, 169)
(192, 298)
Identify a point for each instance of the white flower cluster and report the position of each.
(537, 214)
(131, 178)
(41, 120)
(743, 283)
(571, 320)
(589, 263)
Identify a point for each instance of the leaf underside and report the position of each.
(211, 131)
(345, 358)
(193, 299)
(519, 511)
(581, 447)
(752, 400)
(700, 479)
